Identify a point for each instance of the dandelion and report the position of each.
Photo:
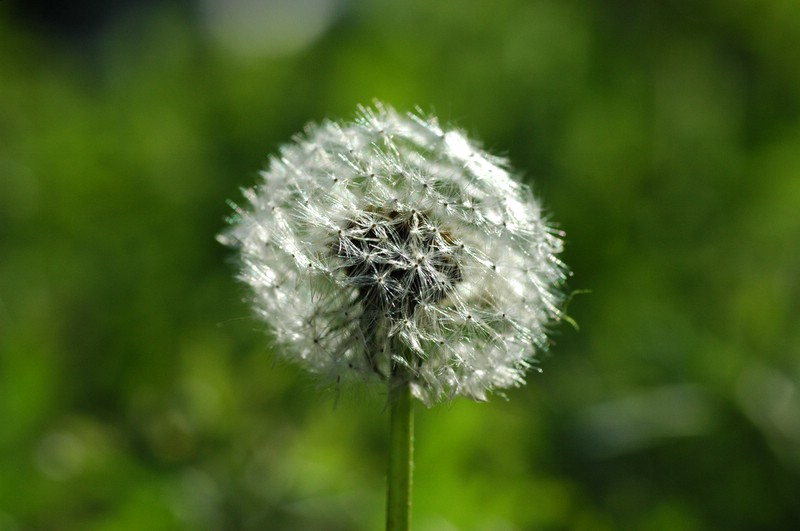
(393, 249)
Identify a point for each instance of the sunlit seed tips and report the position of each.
(389, 247)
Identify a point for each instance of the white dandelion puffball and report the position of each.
(391, 248)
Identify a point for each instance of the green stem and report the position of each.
(401, 450)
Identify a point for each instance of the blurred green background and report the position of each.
(137, 391)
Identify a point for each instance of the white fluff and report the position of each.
(389, 247)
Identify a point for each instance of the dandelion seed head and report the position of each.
(389, 247)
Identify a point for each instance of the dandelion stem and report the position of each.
(401, 450)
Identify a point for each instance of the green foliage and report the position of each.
(137, 392)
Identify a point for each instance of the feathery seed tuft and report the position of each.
(389, 247)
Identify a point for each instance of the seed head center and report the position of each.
(397, 260)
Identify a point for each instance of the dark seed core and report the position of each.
(398, 260)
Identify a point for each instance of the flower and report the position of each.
(390, 248)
